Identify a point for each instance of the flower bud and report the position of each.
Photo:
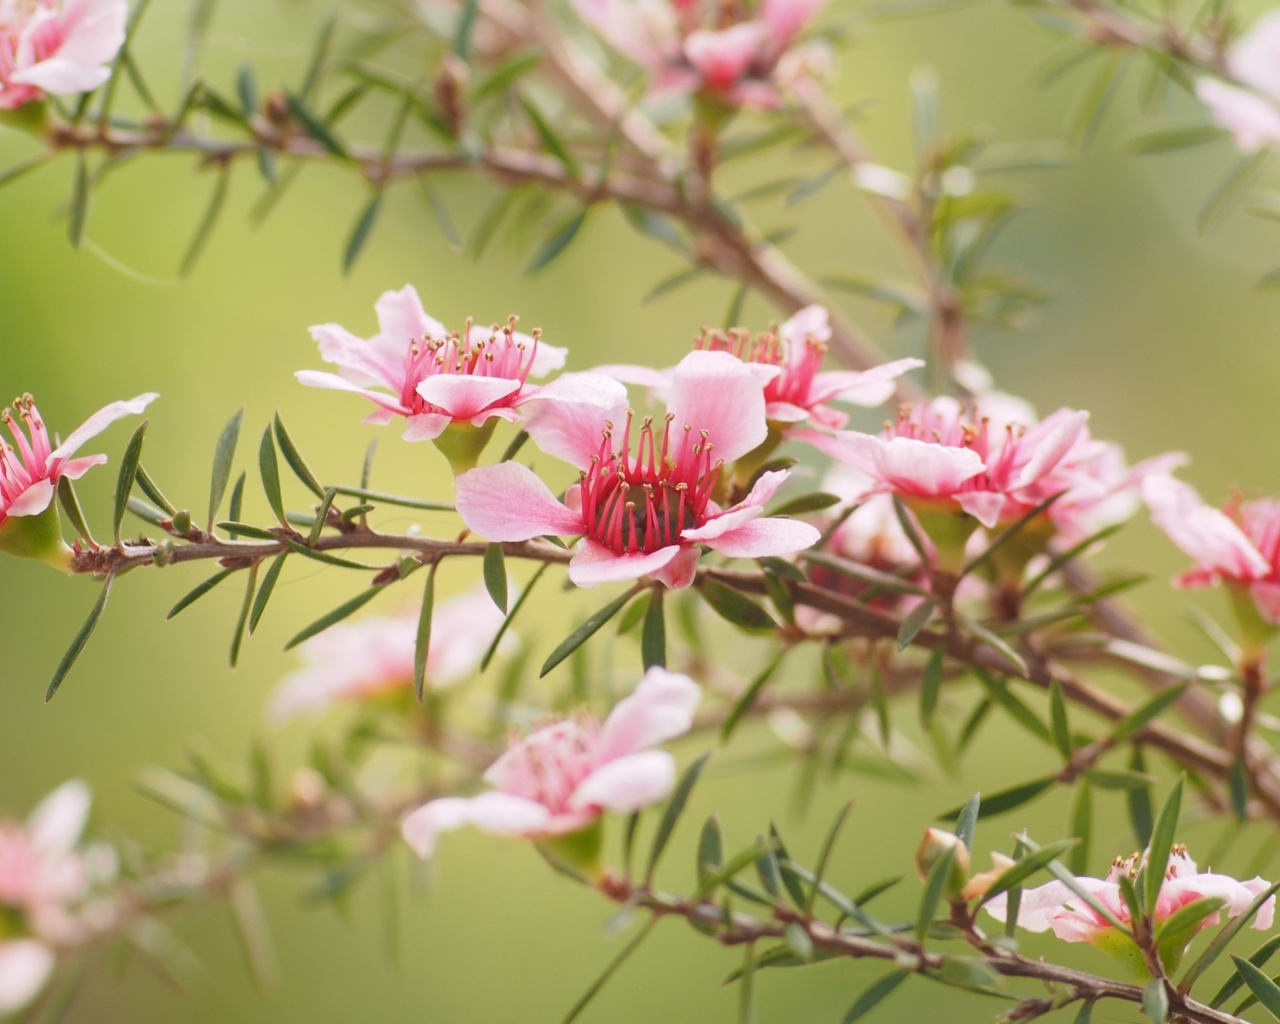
(981, 883)
(182, 521)
(933, 847)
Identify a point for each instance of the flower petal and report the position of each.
(509, 502)
(867, 388)
(718, 393)
(493, 812)
(1203, 533)
(567, 417)
(761, 538)
(331, 381)
(25, 967)
(362, 362)
(984, 506)
(681, 571)
(34, 500)
(627, 784)
(99, 422)
(425, 426)
(463, 395)
(402, 318)
(546, 358)
(593, 563)
(56, 824)
(660, 708)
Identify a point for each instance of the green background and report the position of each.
(1160, 333)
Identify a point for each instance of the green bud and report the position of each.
(181, 521)
(933, 847)
(463, 444)
(948, 526)
(38, 536)
(578, 853)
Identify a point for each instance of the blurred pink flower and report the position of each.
(31, 468)
(356, 661)
(795, 387)
(1252, 113)
(644, 512)
(41, 876)
(742, 63)
(436, 378)
(561, 777)
(56, 47)
(1239, 545)
(1055, 906)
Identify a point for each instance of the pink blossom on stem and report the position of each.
(367, 659)
(561, 777)
(643, 510)
(56, 47)
(1238, 545)
(1054, 906)
(31, 467)
(1250, 110)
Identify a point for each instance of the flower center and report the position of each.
(502, 354)
(548, 764)
(638, 504)
(22, 467)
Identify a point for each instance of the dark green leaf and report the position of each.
(1178, 928)
(465, 28)
(1238, 788)
(883, 580)
(237, 498)
(1266, 990)
(1145, 712)
(914, 621)
(711, 847)
(1124, 781)
(1081, 826)
(247, 90)
(193, 596)
(1169, 140)
(798, 941)
(152, 491)
(1162, 837)
(1138, 799)
(550, 140)
(1258, 957)
(966, 822)
(505, 75)
(251, 580)
(743, 704)
(314, 127)
(824, 855)
(790, 880)
(653, 639)
(81, 638)
(506, 623)
(584, 632)
(614, 964)
(394, 499)
(361, 231)
(735, 607)
(269, 468)
(1155, 1001)
(71, 506)
(1224, 197)
(322, 517)
(337, 615)
(422, 643)
(815, 502)
(935, 884)
(671, 814)
(294, 457)
(264, 591)
(124, 481)
(930, 687)
(1000, 645)
(558, 241)
(222, 457)
(1058, 561)
(207, 222)
(1000, 692)
(874, 995)
(495, 576)
(1010, 533)
(1007, 799)
(78, 216)
(1026, 866)
(1058, 724)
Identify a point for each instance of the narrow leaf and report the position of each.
(584, 632)
(653, 638)
(671, 814)
(251, 580)
(124, 481)
(614, 964)
(1218, 946)
(1162, 837)
(361, 231)
(735, 607)
(749, 695)
(1007, 799)
(1266, 990)
(314, 127)
(207, 223)
(269, 469)
(1058, 724)
(966, 822)
(422, 642)
(337, 615)
(1155, 1001)
(264, 591)
(71, 506)
(914, 621)
(81, 638)
(1224, 197)
(930, 687)
(557, 242)
(193, 596)
(936, 882)
(875, 994)
(79, 206)
(502, 630)
(294, 457)
(222, 458)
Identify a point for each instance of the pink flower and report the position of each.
(1251, 114)
(56, 47)
(41, 877)
(561, 777)
(795, 387)
(358, 661)
(644, 511)
(31, 468)
(438, 379)
(1055, 906)
(1239, 546)
(738, 63)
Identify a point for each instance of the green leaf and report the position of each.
(1069, 880)
(909, 527)
(152, 491)
(1170, 140)
(71, 506)
(866, 574)
(815, 502)
(1229, 190)
(1059, 727)
(81, 638)
(1058, 561)
(743, 704)
(124, 480)
(207, 223)
(269, 468)
(251, 580)
(361, 231)
(505, 75)
(1179, 927)
(337, 615)
(465, 28)
(874, 995)
(1000, 692)
(1238, 788)
(828, 845)
(914, 621)
(711, 848)
(222, 458)
(671, 814)
(1096, 101)
(294, 457)
(422, 642)
(265, 591)
(247, 90)
(935, 884)
(653, 639)
(1139, 802)
(1028, 865)
(1219, 945)
(322, 517)
(383, 498)
(1123, 781)
(584, 632)
(79, 204)
(237, 498)
(1082, 826)
(495, 575)
(798, 941)
(930, 687)
(314, 127)
(1000, 645)
(1006, 799)
(1155, 1001)
(790, 880)
(1010, 533)
(558, 241)
(550, 140)
(966, 822)
(614, 964)
(734, 607)
(1266, 990)
(193, 596)
(506, 623)
(1162, 837)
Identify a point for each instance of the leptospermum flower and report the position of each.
(1238, 546)
(643, 511)
(41, 874)
(558, 780)
(740, 61)
(1054, 906)
(56, 47)
(30, 469)
(450, 388)
(1251, 114)
(375, 657)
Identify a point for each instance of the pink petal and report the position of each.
(99, 422)
(810, 323)
(362, 362)
(661, 708)
(722, 57)
(627, 784)
(56, 824)
(1061, 431)
(785, 412)
(645, 376)
(509, 502)
(34, 500)
(332, 382)
(747, 509)
(493, 812)
(74, 469)
(402, 318)
(425, 426)
(62, 77)
(1038, 906)
(718, 393)
(567, 417)
(761, 538)
(984, 506)
(1254, 58)
(905, 464)
(1253, 121)
(1238, 895)
(25, 967)
(867, 388)
(593, 563)
(784, 18)
(681, 571)
(1267, 912)
(464, 395)
(1203, 533)
(546, 359)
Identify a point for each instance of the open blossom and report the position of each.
(31, 467)
(1251, 114)
(795, 386)
(1239, 545)
(561, 777)
(357, 661)
(1056, 906)
(643, 506)
(42, 876)
(56, 47)
(740, 59)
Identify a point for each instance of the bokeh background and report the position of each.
(1162, 334)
